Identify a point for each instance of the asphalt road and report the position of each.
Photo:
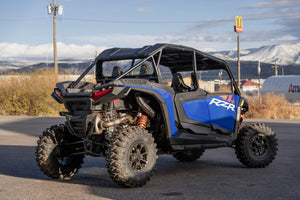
(216, 175)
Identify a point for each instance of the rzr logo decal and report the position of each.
(228, 98)
(225, 104)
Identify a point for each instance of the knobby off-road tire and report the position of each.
(188, 155)
(131, 157)
(48, 153)
(256, 145)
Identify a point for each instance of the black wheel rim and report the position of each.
(61, 159)
(64, 160)
(259, 145)
(138, 156)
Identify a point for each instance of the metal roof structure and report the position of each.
(172, 55)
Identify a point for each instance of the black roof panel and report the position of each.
(172, 56)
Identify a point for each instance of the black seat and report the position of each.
(117, 71)
(178, 84)
(145, 70)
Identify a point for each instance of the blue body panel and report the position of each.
(167, 97)
(219, 111)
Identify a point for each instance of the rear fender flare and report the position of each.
(165, 101)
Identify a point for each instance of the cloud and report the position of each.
(291, 26)
(11, 51)
(274, 4)
(143, 10)
(210, 23)
(201, 41)
(23, 50)
(16, 50)
(262, 27)
(124, 40)
(286, 21)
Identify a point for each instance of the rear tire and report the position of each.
(188, 155)
(256, 145)
(131, 157)
(49, 150)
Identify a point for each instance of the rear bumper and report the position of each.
(80, 126)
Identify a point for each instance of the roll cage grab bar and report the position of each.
(157, 71)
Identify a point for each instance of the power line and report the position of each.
(168, 22)
(21, 19)
(254, 18)
(130, 22)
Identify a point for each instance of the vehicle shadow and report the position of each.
(26, 125)
(217, 168)
(19, 161)
(170, 175)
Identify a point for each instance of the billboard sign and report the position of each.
(238, 25)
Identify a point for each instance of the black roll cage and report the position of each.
(169, 55)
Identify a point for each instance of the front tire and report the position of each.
(49, 154)
(256, 145)
(131, 157)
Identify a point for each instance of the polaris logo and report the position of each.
(222, 103)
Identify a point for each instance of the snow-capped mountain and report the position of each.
(287, 57)
(283, 54)
(66, 65)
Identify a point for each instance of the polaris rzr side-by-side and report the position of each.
(159, 99)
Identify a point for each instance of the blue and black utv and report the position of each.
(159, 99)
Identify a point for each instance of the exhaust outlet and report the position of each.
(100, 125)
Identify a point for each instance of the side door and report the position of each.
(212, 107)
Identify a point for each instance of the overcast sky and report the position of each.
(93, 25)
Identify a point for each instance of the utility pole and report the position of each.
(276, 68)
(258, 72)
(238, 27)
(53, 9)
(54, 39)
(238, 60)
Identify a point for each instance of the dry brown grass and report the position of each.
(272, 106)
(29, 94)
(224, 89)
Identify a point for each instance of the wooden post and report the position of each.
(54, 39)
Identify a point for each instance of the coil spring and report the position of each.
(240, 123)
(142, 121)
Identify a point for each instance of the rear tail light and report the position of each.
(57, 95)
(97, 95)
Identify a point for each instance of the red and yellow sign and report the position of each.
(238, 25)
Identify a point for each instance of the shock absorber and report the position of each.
(142, 121)
(240, 122)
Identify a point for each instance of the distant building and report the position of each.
(249, 86)
(287, 85)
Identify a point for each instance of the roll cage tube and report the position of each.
(133, 67)
(156, 62)
(233, 83)
(195, 68)
(75, 83)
